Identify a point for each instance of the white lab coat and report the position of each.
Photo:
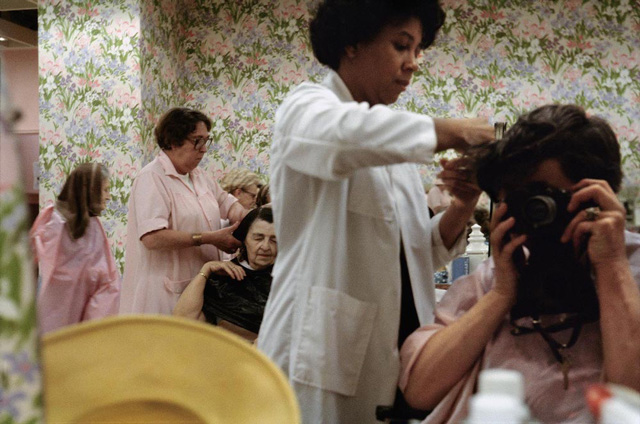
(344, 195)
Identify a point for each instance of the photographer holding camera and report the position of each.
(559, 299)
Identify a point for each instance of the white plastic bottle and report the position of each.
(500, 399)
(477, 249)
(616, 411)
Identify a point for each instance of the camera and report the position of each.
(540, 211)
(553, 276)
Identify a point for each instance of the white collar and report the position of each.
(246, 265)
(334, 83)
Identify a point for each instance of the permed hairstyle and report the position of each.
(340, 23)
(176, 124)
(239, 178)
(264, 213)
(586, 147)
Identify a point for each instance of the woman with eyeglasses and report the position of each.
(175, 210)
(243, 185)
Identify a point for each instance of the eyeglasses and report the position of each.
(200, 142)
(254, 196)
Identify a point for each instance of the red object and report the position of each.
(596, 394)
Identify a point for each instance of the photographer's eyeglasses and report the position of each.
(200, 142)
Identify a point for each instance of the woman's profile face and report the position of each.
(382, 68)
(186, 158)
(247, 196)
(261, 244)
(105, 195)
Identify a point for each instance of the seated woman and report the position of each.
(559, 299)
(233, 294)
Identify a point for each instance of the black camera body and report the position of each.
(540, 211)
(553, 277)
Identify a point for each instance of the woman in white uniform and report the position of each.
(357, 248)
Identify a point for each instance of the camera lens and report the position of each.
(540, 210)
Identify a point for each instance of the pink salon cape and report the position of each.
(160, 199)
(548, 401)
(80, 279)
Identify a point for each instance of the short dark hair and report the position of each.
(340, 23)
(176, 124)
(264, 213)
(585, 146)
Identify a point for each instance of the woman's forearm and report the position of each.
(452, 351)
(619, 300)
(190, 303)
(174, 239)
(454, 221)
(167, 239)
(460, 133)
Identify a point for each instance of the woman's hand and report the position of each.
(461, 133)
(476, 131)
(502, 248)
(461, 185)
(224, 268)
(223, 239)
(604, 226)
(459, 180)
(190, 302)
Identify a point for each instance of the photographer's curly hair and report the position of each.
(585, 146)
(176, 124)
(340, 23)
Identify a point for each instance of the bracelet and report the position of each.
(202, 273)
(197, 239)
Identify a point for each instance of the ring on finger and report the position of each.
(592, 213)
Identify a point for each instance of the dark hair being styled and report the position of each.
(264, 213)
(586, 147)
(340, 23)
(176, 124)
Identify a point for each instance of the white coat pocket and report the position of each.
(333, 340)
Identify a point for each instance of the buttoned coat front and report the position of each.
(154, 279)
(347, 192)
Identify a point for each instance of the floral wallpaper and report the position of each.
(90, 99)
(161, 64)
(20, 382)
(109, 69)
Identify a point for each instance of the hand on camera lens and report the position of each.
(603, 225)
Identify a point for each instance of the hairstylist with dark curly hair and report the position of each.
(357, 248)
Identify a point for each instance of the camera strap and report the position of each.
(574, 323)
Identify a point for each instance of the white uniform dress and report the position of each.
(344, 196)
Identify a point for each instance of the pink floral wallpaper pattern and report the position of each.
(109, 69)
